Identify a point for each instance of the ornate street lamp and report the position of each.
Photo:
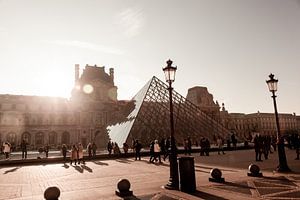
(282, 167)
(173, 183)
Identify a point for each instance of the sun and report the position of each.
(53, 84)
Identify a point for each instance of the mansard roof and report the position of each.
(92, 73)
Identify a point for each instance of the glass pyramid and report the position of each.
(149, 118)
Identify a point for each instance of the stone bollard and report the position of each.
(52, 193)
(216, 176)
(123, 188)
(254, 171)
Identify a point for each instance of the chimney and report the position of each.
(111, 74)
(76, 72)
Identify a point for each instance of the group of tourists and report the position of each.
(113, 148)
(158, 149)
(77, 154)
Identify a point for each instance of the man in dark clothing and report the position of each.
(24, 149)
(94, 149)
(167, 148)
(258, 146)
(109, 147)
(46, 149)
(137, 148)
(234, 141)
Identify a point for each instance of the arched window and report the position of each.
(11, 138)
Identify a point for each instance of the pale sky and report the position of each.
(228, 46)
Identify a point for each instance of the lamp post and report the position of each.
(173, 183)
(282, 167)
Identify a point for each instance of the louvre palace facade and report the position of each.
(94, 114)
(56, 121)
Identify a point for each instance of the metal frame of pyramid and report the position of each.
(149, 118)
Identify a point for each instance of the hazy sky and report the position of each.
(229, 46)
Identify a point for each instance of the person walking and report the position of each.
(89, 149)
(125, 148)
(64, 152)
(258, 145)
(151, 150)
(6, 149)
(24, 149)
(94, 149)
(137, 148)
(80, 154)
(46, 149)
(109, 147)
(167, 148)
(233, 141)
(220, 145)
(116, 149)
(74, 154)
(157, 151)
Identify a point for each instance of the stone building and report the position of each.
(241, 124)
(56, 121)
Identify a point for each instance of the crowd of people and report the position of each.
(159, 149)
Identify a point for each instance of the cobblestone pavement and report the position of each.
(98, 179)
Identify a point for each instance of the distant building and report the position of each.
(241, 124)
(56, 121)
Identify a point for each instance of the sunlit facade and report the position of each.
(56, 121)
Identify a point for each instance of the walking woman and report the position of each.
(74, 154)
(80, 153)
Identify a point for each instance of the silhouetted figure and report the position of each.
(202, 146)
(116, 149)
(228, 144)
(258, 145)
(137, 148)
(151, 150)
(46, 149)
(207, 147)
(64, 151)
(94, 148)
(220, 145)
(125, 148)
(24, 149)
(109, 147)
(167, 148)
(162, 148)
(266, 146)
(89, 149)
(234, 141)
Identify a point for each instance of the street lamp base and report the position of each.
(283, 169)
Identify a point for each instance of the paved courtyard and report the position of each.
(98, 179)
